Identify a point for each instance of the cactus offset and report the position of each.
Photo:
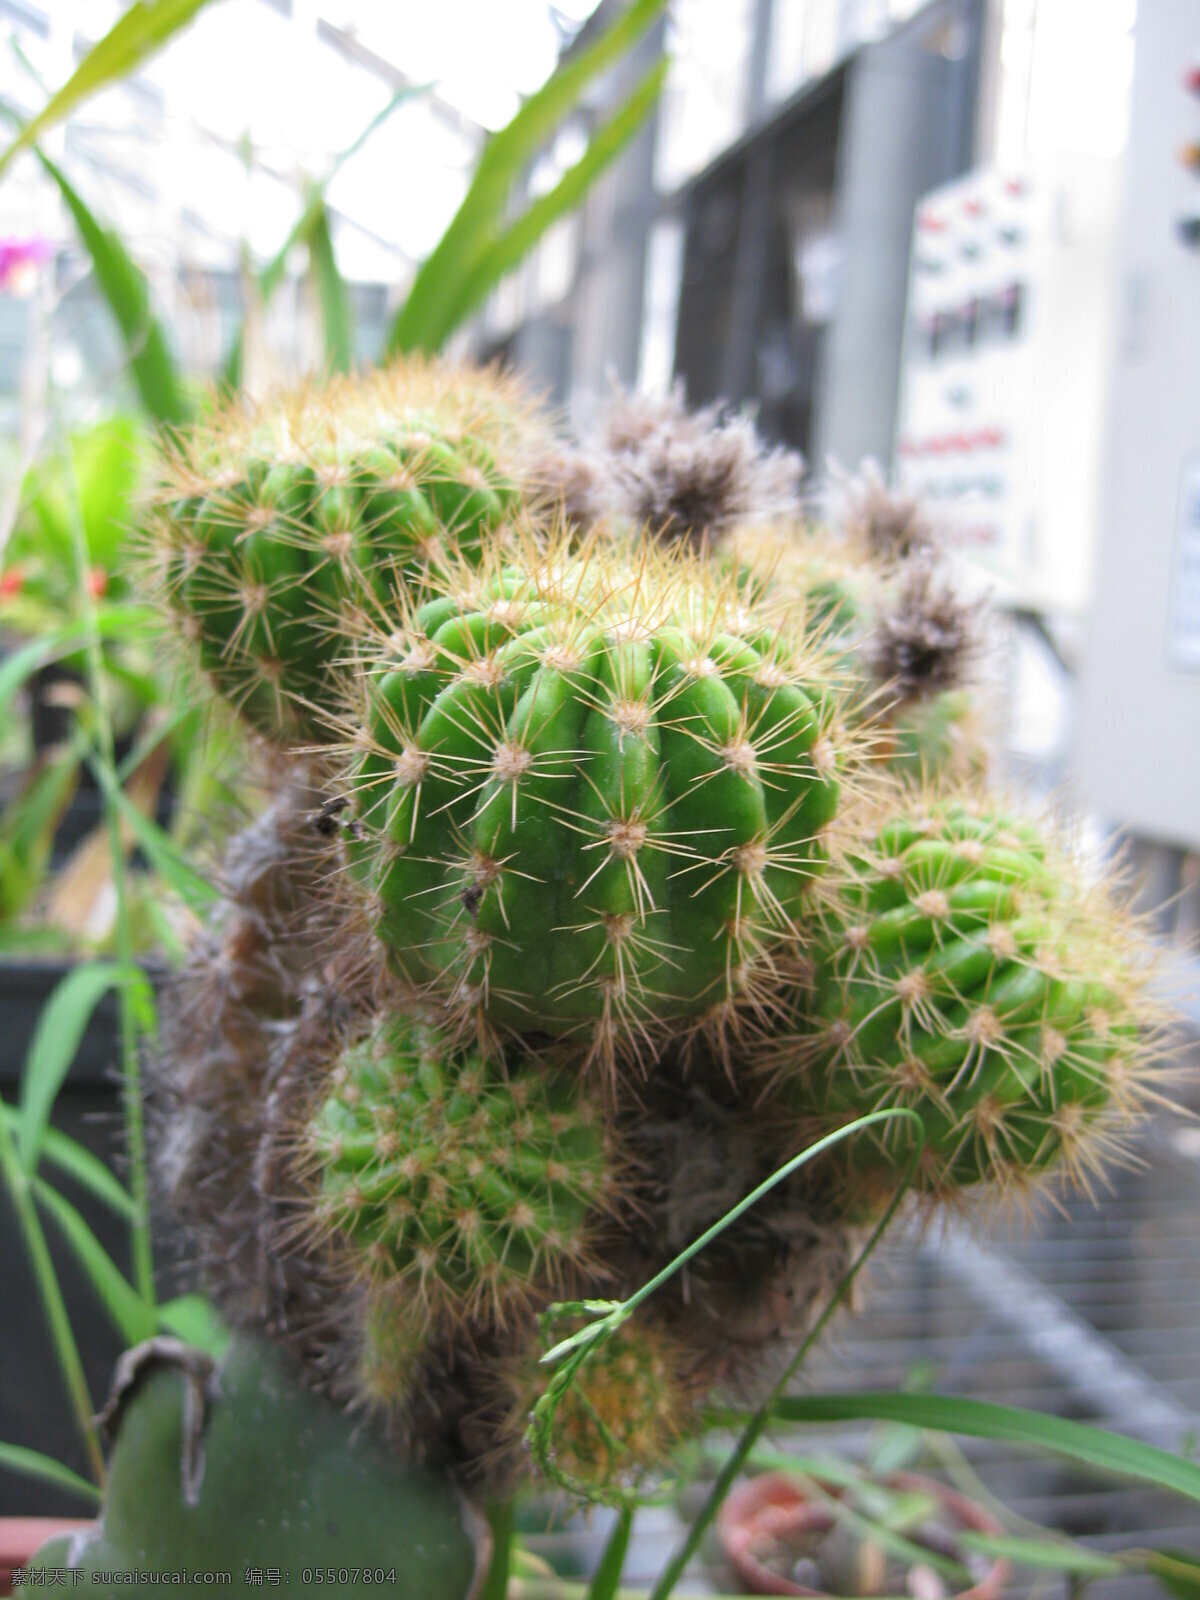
(965, 971)
(596, 792)
(276, 528)
(471, 1181)
(633, 1401)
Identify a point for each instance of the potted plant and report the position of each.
(583, 941)
(786, 1535)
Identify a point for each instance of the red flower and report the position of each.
(97, 583)
(11, 582)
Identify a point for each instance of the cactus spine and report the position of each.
(597, 792)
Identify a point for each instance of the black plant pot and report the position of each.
(33, 1406)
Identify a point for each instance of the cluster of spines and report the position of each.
(596, 789)
(964, 970)
(277, 529)
(472, 1182)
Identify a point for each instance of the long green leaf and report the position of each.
(606, 1581)
(426, 316)
(336, 317)
(132, 39)
(272, 275)
(510, 248)
(1177, 1570)
(1093, 1447)
(24, 662)
(59, 1031)
(124, 286)
(33, 1464)
(1043, 1555)
(78, 1162)
(194, 890)
(133, 1318)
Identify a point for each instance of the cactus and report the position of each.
(634, 1400)
(596, 792)
(965, 971)
(276, 528)
(471, 1181)
(246, 1470)
(588, 787)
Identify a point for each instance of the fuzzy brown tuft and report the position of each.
(682, 476)
(927, 638)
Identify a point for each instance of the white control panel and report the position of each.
(1006, 358)
(1138, 749)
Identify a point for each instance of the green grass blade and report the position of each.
(1177, 1570)
(425, 317)
(16, 669)
(272, 275)
(510, 248)
(159, 848)
(336, 317)
(136, 35)
(980, 1419)
(55, 1042)
(124, 287)
(78, 1163)
(133, 1318)
(33, 1464)
(1043, 1555)
(606, 1580)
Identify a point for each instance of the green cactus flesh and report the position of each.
(596, 793)
(961, 974)
(471, 1180)
(285, 1481)
(271, 565)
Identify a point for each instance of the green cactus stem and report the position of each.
(248, 1471)
(471, 1181)
(964, 970)
(596, 792)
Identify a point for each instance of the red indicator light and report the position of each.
(1191, 80)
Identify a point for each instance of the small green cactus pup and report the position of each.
(965, 971)
(276, 527)
(629, 1406)
(596, 791)
(472, 1182)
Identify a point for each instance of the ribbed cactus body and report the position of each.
(596, 791)
(473, 1181)
(961, 973)
(630, 1405)
(278, 530)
